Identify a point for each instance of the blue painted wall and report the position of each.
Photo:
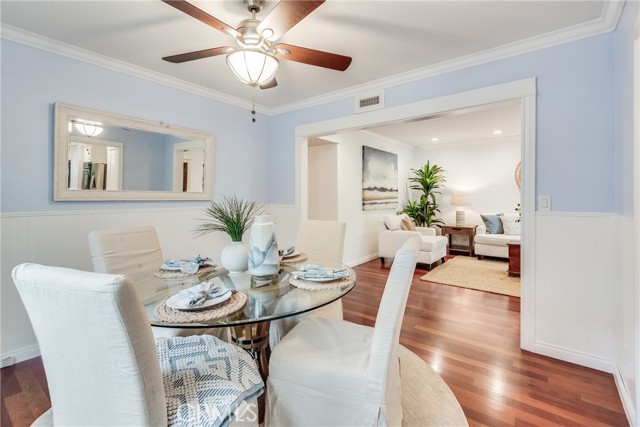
(32, 80)
(576, 152)
(575, 120)
(623, 108)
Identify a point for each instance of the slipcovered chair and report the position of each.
(336, 373)
(136, 253)
(321, 241)
(103, 367)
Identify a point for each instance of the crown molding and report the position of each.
(54, 46)
(612, 9)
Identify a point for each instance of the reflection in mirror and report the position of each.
(102, 156)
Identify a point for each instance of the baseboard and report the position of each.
(627, 402)
(23, 354)
(362, 260)
(572, 356)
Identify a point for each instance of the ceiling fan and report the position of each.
(254, 59)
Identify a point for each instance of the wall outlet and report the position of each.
(544, 203)
(7, 361)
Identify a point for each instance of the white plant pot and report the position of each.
(235, 257)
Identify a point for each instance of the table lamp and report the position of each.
(460, 200)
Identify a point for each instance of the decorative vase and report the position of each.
(264, 259)
(235, 257)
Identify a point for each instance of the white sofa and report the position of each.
(493, 245)
(432, 247)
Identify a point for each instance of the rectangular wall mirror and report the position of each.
(105, 156)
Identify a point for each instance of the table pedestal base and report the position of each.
(255, 340)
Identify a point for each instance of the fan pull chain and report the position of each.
(253, 106)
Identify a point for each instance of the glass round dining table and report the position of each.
(265, 299)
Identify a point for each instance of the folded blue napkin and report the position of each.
(203, 262)
(190, 265)
(195, 296)
(287, 252)
(312, 271)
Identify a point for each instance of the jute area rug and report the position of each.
(426, 398)
(489, 275)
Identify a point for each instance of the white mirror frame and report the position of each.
(64, 113)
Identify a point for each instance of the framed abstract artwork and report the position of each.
(379, 179)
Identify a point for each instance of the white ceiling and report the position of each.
(388, 40)
(486, 123)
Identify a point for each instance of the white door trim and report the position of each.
(525, 90)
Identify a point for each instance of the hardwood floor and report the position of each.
(470, 338)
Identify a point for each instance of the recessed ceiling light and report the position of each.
(435, 139)
(497, 132)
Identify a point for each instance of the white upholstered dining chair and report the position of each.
(336, 373)
(321, 241)
(102, 365)
(136, 253)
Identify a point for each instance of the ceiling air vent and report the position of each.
(369, 102)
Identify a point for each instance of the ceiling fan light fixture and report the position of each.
(253, 66)
(88, 128)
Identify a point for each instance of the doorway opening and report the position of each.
(360, 237)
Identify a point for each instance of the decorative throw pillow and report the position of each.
(407, 224)
(510, 226)
(393, 222)
(493, 223)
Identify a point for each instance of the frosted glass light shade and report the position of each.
(88, 128)
(253, 67)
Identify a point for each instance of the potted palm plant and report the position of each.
(428, 180)
(232, 216)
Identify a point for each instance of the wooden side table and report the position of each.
(514, 259)
(461, 230)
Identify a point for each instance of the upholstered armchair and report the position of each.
(432, 247)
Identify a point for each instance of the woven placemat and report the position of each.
(173, 274)
(321, 286)
(171, 315)
(292, 260)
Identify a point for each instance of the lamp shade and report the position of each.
(460, 200)
(253, 66)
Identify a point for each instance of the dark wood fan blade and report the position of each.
(198, 54)
(318, 58)
(286, 14)
(268, 85)
(201, 15)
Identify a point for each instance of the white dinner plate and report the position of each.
(178, 302)
(166, 267)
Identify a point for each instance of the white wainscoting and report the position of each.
(60, 239)
(577, 288)
(575, 293)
